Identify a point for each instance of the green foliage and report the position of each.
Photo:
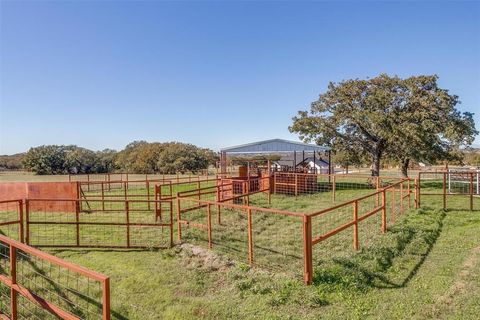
(137, 157)
(11, 162)
(388, 117)
(46, 159)
(181, 157)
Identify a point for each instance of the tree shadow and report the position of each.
(357, 273)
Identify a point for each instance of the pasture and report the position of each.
(426, 266)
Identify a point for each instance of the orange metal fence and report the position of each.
(36, 285)
(285, 239)
(106, 223)
(445, 184)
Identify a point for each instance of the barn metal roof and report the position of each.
(273, 146)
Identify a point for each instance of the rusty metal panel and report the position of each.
(42, 190)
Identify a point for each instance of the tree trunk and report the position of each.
(404, 167)
(376, 164)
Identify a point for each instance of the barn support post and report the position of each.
(223, 162)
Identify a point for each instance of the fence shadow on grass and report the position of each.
(358, 273)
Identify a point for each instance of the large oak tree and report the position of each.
(404, 120)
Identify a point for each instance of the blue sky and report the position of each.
(102, 74)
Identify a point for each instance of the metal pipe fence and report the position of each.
(37, 285)
(445, 185)
(286, 239)
(106, 223)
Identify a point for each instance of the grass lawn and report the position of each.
(426, 266)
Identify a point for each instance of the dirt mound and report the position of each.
(201, 258)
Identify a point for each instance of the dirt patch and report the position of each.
(194, 257)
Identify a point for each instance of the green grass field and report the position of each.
(426, 266)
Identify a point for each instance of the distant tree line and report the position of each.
(137, 157)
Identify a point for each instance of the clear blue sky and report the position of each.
(102, 74)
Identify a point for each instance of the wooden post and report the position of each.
(209, 225)
(250, 236)
(355, 226)
(307, 250)
(13, 276)
(127, 217)
(384, 211)
(377, 187)
(88, 182)
(125, 190)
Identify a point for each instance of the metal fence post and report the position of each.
(250, 236)
(384, 211)
(20, 219)
(13, 276)
(127, 217)
(355, 225)
(471, 191)
(27, 222)
(444, 191)
(179, 218)
(209, 225)
(307, 250)
(106, 299)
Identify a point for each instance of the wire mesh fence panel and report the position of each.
(370, 228)
(49, 288)
(448, 190)
(4, 296)
(329, 245)
(230, 236)
(277, 242)
(193, 221)
(11, 219)
(112, 223)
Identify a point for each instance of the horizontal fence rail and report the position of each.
(36, 285)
